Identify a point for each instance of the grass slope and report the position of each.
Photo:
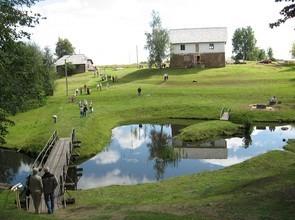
(235, 86)
(206, 130)
(260, 188)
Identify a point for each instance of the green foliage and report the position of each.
(49, 74)
(14, 18)
(28, 79)
(293, 50)
(244, 43)
(261, 55)
(4, 123)
(288, 12)
(157, 42)
(64, 47)
(270, 53)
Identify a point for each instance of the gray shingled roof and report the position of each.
(198, 35)
(74, 59)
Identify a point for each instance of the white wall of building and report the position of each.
(203, 48)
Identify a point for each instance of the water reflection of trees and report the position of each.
(161, 151)
(10, 162)
(247, 140)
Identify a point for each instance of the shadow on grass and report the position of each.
(289, 68)
(149, 73)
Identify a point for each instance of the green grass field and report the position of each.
(260, 188)
(235, 86)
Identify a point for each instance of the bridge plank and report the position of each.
(56, 162)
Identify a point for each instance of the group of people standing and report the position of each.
(165, 77)
(85, 107)
(84, 89)
(38, 185)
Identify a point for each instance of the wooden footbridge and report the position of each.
(56, 155)
(224, 114)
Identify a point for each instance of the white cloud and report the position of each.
(24, 168)
(113, 177)
(234, 143)
(127, 139)
(132, 160)
(109, 30)
(227, 162)
(106, 157)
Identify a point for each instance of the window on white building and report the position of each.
(182, 46)
(197, 48)
(211, 46)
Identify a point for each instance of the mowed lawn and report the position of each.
(259, 188)
(235, 86)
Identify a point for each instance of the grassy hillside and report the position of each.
(235, 86)
(260, 188)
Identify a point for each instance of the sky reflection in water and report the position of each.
(145, 153)
(14, 167)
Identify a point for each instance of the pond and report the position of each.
(148, 153)
(14, 166)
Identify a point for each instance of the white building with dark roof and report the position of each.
(197, 46)
(80, 61)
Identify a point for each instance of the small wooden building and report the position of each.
(193, 47)
(81, 63)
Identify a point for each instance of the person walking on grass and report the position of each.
(49, 184)
(81, 111)
(36, 189)
(85, 109)
(139, 91)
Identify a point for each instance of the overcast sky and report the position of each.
(109, 30)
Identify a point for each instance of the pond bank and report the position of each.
(141, 153)
(258, 188)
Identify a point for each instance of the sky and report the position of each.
(108, 31)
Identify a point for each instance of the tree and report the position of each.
(161, 152)
(15, 19)
(27, 79)
(4, 123)
(48, 58)
(287, 12)
(49, 74)
(64, 47)
(270, 53)
(157, 42)
(292, 51)
(261, 55)
(244, 43)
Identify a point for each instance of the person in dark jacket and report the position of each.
(36, 188)
(49, 185)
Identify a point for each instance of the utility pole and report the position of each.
(137, 56)
(66, 74)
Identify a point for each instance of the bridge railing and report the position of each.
(40, 160)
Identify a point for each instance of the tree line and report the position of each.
(26, 71)
(243, 41)
(244, 46)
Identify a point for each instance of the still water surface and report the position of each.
(14, 167)
(147, 153)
